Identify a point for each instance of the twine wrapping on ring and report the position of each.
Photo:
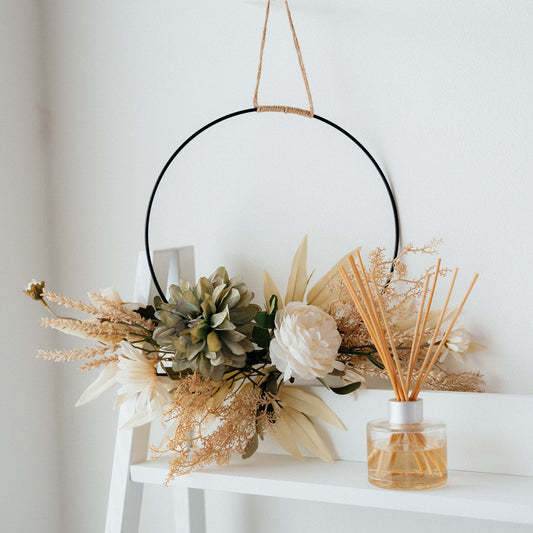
(281, 108)
(274, 108)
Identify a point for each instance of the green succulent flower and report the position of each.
(208, 326)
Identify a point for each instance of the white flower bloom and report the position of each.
(305, 343)
(458, 343)
(139, 380)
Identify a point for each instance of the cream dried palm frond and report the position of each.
(320, 294)
(138, 377)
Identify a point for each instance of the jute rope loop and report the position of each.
(273, 108)
(280, 108)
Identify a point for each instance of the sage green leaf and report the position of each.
(217, 372)
(181, 344)
(175, 293)
(180, 365)
(218, 318)
(234, 347)
(241, 315)
(238, 361)
(208, 306)
(219, 276)
(233, 336)
(231, 299)
(226, 325)
(216, 358)
(193, 350)
(190, 297)
(246, 329)
(247, 345)
(246, 297)
(205, 367)
(169, 319)
(297, 284)
(219, 292)
(205, 287)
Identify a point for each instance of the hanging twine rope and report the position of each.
(279, 108)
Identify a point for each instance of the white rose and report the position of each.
(305, 343)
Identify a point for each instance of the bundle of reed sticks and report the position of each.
(367, 296)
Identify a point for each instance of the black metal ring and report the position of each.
(243, 112)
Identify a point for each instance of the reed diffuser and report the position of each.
(404, 451)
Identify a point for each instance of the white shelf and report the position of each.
(467, 494)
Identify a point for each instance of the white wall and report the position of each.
(438, 91)
(29, 492)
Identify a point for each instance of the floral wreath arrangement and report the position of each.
(218, 370)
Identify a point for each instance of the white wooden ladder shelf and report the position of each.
(490, 454)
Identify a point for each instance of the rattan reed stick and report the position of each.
(413, 355)
(422, 378)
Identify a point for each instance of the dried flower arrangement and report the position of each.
(219, 370)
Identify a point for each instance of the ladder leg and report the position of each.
(125, 496)
(189, 510)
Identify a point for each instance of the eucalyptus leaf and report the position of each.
(264, 320)
(251, 447)
(261, 337)
(346, 389)
(373, 360)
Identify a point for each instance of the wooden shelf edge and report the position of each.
(467, 494)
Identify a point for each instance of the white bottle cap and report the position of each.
(411, 412)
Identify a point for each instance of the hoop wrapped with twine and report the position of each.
(309, 113)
